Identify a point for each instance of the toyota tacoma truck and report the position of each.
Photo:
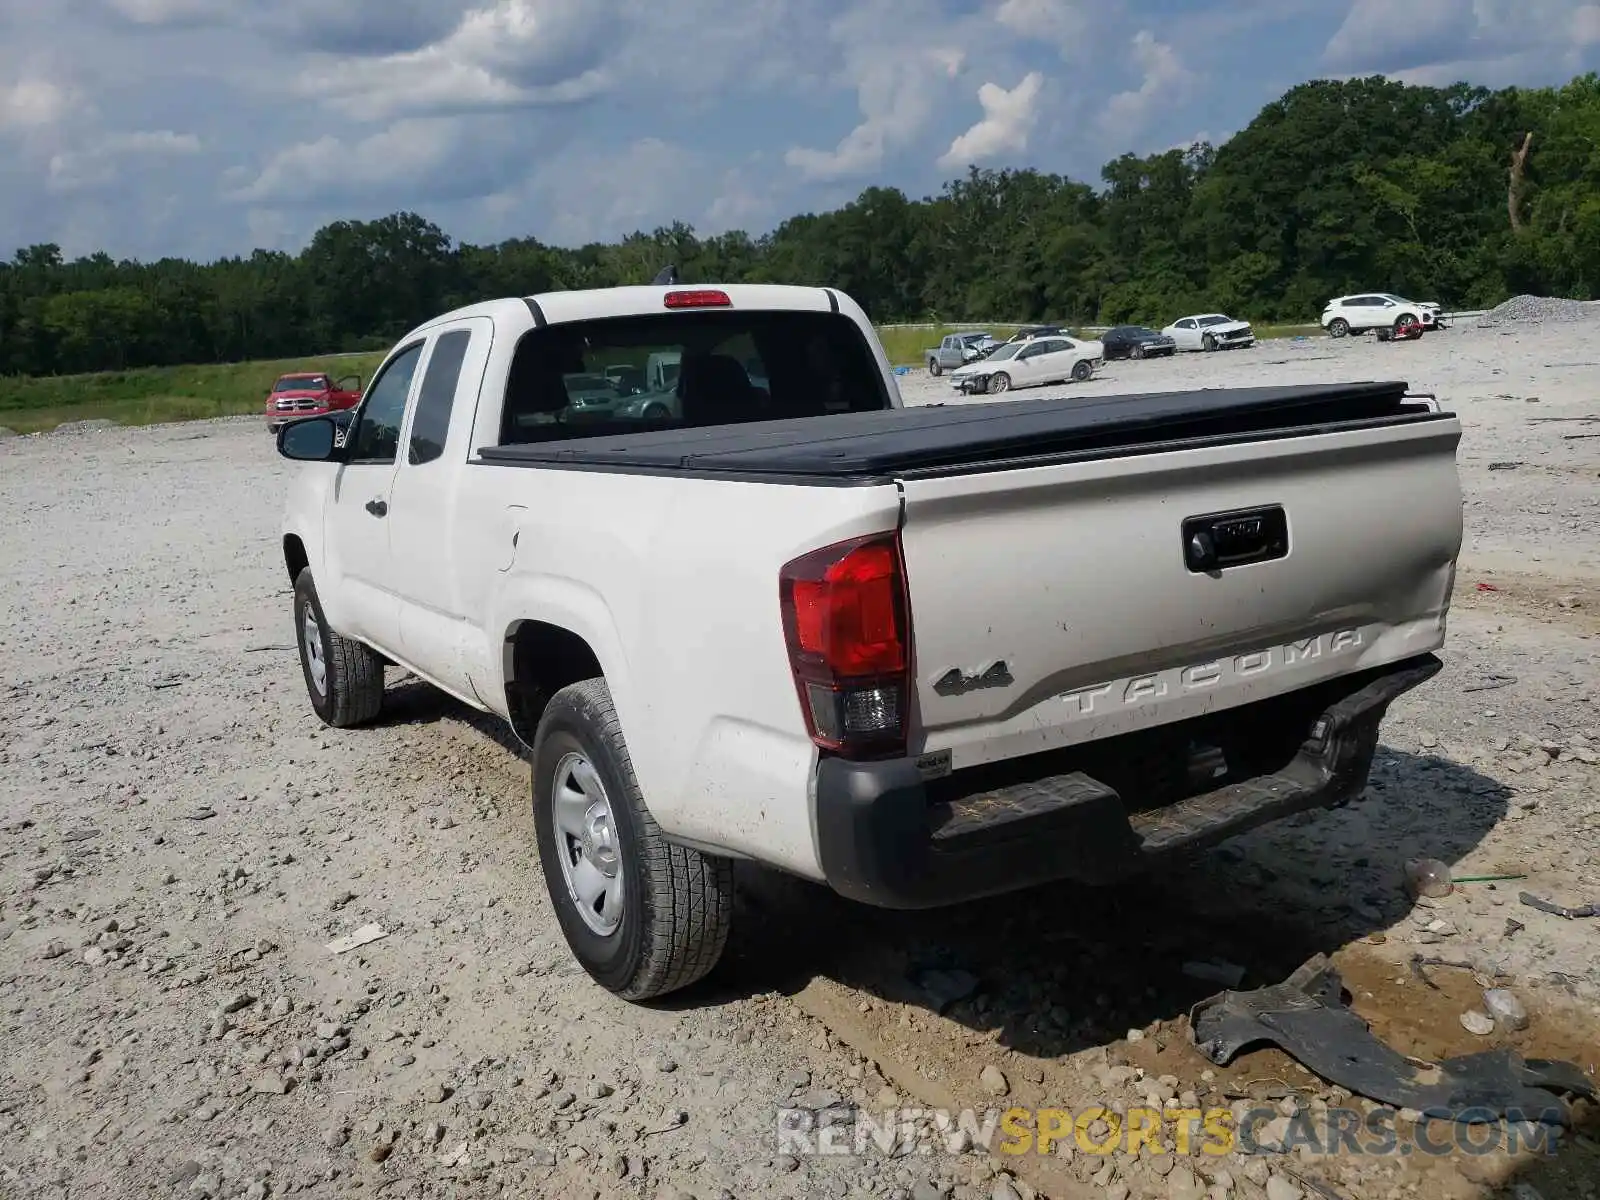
(917, 654)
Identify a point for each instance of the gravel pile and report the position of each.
(1539, 310)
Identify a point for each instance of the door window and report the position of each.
(376, 436)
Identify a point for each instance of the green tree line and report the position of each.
(1462, 194)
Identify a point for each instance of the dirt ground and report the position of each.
(180, 840)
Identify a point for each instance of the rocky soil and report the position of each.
(181, 842)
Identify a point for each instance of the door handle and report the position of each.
(378, 508)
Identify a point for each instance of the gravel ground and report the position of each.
(180, 840)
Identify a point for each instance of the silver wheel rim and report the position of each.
(311, 639)
(586, 842)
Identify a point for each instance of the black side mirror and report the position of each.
(310, 440)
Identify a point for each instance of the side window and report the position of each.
(431, 422)
(376, 437)
(1185, 324)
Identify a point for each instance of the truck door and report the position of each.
(358, 529)
(436, 638)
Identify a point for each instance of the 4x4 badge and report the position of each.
(956, 682)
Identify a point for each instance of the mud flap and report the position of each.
(1305, 1016)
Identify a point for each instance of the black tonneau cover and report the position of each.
(930, 437)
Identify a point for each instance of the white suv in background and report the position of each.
(1375, 310)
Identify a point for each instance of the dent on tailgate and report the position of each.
(1057, 604)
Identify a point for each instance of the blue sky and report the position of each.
(209, 127)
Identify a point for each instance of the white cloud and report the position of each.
(1064, 24)
(169, 12)
(31, 104)
(1165, 79)
(898, 95)
(578, 119)
(101, 163)
(665, 181)
(332, 166)
(1586, 25)
(507, 54)
(1008, 117)
(1441, 41)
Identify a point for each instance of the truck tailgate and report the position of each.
(1059, 603)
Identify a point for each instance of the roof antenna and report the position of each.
(666, 277)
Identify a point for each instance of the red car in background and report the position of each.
(309, 394)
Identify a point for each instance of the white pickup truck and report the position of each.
(919, 654)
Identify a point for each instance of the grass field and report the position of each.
(153, 395)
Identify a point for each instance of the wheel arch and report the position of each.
(555, 634)
(295, 558)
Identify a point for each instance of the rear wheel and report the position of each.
(1338, 327)
(1082, 369)
(344, 678)
(935, 367)
(656, 412)
(642, 916)
(999, 383)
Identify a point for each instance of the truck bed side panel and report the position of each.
(673, 582)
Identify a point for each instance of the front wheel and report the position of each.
(999, 383)
(1136, 352)
(1338, 327)
(1082, 369)
(344, 678)
(642, 916)
(1208, 342)
(935, 368)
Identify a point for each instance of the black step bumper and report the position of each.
(889, 838)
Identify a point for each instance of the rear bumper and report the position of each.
(889, 838)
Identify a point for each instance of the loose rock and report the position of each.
(1506, 1010)
(994, 1081)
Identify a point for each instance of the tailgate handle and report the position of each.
(1216, 541)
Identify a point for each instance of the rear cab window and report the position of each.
(690, 369)
(431, 422)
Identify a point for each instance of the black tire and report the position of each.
(935, 367)
(352, 673)
(656, 412)
(1082, 369)
(1338, 327)
(677, 904)
(999, 382)
(1403, 319)
(1137, 351)
(1208, 342)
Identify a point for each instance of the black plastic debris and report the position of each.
(1305, 1016)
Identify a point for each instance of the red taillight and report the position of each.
(702, 298)
(844, 618)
